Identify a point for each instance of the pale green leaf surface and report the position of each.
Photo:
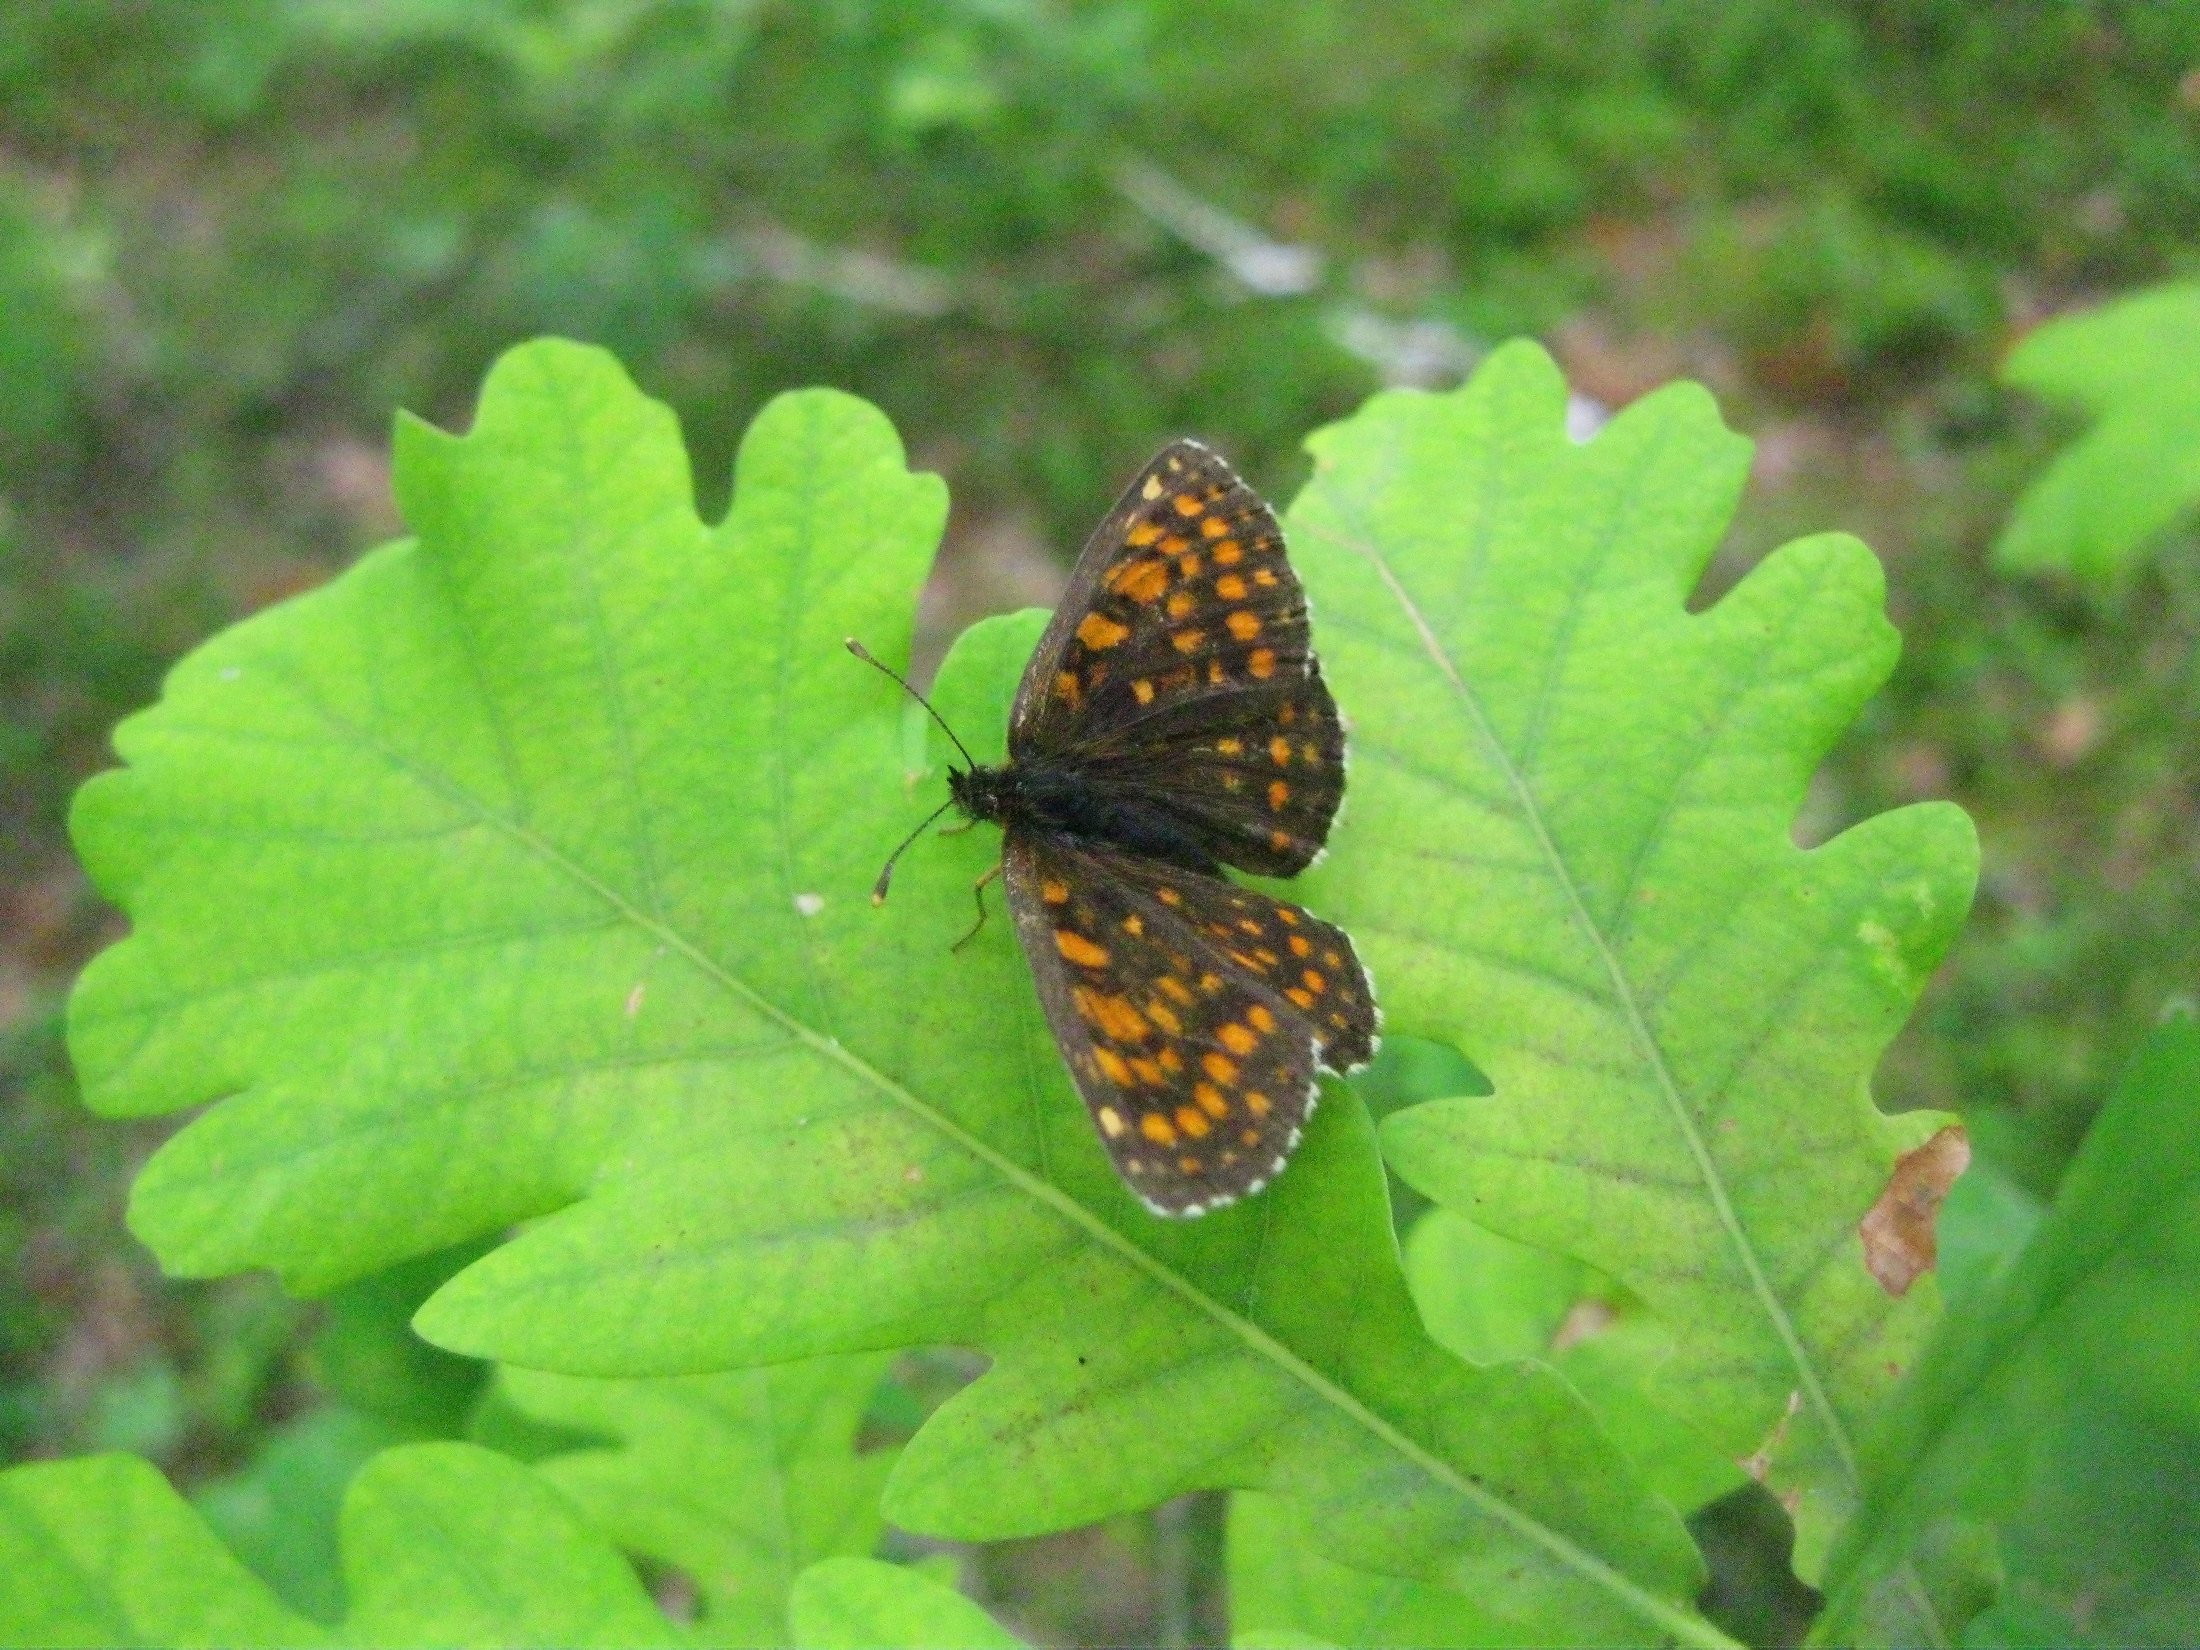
(740, 1481)
(523, 869)
(279, 1512)
(443, 1544)
(450, 1544)
(100, 1551)
(1492, 1300)
(2057, 1404)
(1585, 880)
(2133, 366)
(863, 1604)
(1285, 1590)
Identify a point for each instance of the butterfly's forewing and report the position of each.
(1192, 1013)
(1178, 666)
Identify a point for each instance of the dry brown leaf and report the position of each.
(1898, 1232)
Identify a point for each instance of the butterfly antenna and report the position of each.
(886, 871)
(865, 654)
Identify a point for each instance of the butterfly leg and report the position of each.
(977, 890)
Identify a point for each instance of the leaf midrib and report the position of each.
(1648, 1049)
(1684, 1627)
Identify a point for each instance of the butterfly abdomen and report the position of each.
(1063, 802)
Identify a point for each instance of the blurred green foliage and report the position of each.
(2134, 368)
(234, 234)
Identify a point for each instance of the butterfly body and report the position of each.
(1031, 796)
(1172, 722)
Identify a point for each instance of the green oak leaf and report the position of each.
(1584, 879)
(100, 1551)
(2133, 368)
(281, 1510)
(2056, 1405)
(443, 1544)
(739, 1481)
(1285, 1590)
(863, 1604)
(519, 876)
(1492, 1300)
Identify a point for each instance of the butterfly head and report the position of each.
(982, 793)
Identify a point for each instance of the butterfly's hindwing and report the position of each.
(1192, 1013)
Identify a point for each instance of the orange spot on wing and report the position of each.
(1192, 1122)
(1114, 1065)
(1157, 1128)
(1143, 580)
(1054, 893)
(1279, 751)
(1300, 947)
(1210, 1099)
(1168, 896)
(1188, 641)
(1227, 554)
(1261, 661)
(1245, 626)
(1219, 1067)
(1314, 981)
(1134, 925)
(1258, 1103)
(1142, 534)
(1278, 794)
(1261, 1018)
(1143, 689)
(1305, 999)
(1230, 747)
(1191, 1166)
(1186, 505)
(1265, 577)
(1230, 587)
(1080, 950)
(1164, 1016)
(1280, 841)
(1170, 1059)
(1171, 986)
(1113, 1015)
(1067, 690)
(1288, 917)
(1214, 527)
(1148, 1072)
(1099, 632)
(1237, 1039)
(1181, 604)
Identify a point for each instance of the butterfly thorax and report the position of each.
(1062, 801)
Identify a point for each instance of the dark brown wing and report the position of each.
(1179, 668)
(1192, 1014)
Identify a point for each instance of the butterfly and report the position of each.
(1173, 721)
